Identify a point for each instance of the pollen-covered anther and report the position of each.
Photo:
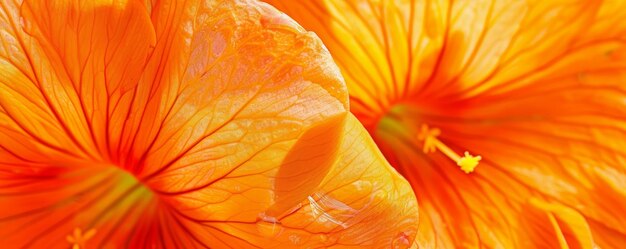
(429, 136)
(468, 162)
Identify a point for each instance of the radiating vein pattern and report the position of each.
(533, 87)
(182, 124)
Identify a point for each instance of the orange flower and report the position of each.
(507, 117)
(183, 124)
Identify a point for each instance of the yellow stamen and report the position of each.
(78, 239)
(467, 162)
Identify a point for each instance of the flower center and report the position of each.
(113, 202)
(403, 121)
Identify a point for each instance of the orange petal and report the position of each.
(385, 49)
(355, 196)
(358, 201)
(534, 87)
(183, 124)
(549, 225)
(456, 209)
(549, 141)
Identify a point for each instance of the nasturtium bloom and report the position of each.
(183, 124)
(507, 117)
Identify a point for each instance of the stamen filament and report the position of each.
(467, 162)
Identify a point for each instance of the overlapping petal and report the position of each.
(534, 87)
(546, 221)
(183, 124)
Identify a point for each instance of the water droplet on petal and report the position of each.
(295, 239)
(268, 226)
(23, 23)
(401, 241)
